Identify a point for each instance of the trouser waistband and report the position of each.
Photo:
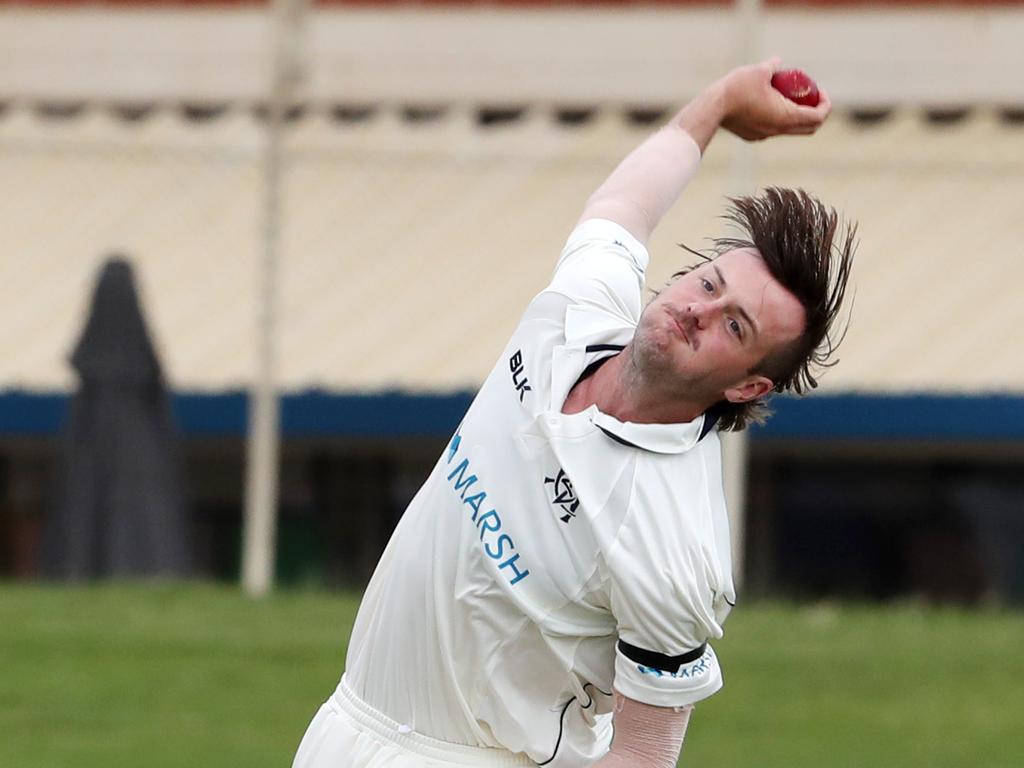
(403, 736)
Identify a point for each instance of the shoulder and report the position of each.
(593, 237)
(603, 265)
(672, 551)
(685, 483)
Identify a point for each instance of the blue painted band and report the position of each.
(396, 414)
(980, 417)
(306, 414)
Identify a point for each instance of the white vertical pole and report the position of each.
(744, 176)
(734, 467)
(263, 449)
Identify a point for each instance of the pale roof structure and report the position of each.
(410, 248)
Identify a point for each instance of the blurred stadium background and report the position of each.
(433, 157)
(430, 159)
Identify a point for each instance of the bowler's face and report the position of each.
(712, 326)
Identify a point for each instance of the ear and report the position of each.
(749, 389)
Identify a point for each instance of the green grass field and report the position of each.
(197, 676)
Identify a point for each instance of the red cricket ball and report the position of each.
(796, 86)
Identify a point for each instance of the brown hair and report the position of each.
(810, 254)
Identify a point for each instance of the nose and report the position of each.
(700, 312)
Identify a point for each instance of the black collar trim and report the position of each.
(617, 439)
(710, 416)
(710, 420)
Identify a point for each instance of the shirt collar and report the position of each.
(593, 333)
(657, 438)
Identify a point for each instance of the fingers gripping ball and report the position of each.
(796, 86)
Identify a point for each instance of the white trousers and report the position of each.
(348, 733)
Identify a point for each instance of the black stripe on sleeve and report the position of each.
(660, 661)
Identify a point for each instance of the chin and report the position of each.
(657, 358)
(652, 348)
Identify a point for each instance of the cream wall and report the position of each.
(411, 248)
(629, 55)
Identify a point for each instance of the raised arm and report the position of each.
(648, 182)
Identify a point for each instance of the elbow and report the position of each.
(627, 213)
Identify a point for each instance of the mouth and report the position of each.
(680, 328)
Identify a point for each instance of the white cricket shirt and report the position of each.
(540, 540)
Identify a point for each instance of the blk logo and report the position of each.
(563, 495)
(519, 380)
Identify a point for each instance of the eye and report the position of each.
(707, 285)
(735, 328)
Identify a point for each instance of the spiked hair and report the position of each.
(810, 253)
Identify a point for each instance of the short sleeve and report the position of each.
(664, 586)
(696, 676)
(602, 264)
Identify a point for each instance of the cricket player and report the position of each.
(549, 596)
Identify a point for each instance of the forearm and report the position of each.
(648, 182)
(646, 736)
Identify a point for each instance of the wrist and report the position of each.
(719, 100)
(703, 116)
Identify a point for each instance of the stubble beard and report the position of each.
(654, 370)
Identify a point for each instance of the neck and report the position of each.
(620, 390)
